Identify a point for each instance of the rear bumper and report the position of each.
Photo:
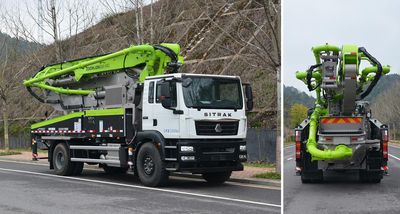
(209, 156)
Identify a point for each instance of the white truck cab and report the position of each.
(202, 118)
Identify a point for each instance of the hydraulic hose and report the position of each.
(171, 54)
(377, 75)
(339, 153)
(310, 75)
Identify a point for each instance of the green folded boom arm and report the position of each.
(155, 59)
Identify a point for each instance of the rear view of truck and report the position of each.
(340, 132)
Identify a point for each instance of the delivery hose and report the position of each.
(339, 153)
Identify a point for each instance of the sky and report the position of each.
(372, 24)
(24, 8)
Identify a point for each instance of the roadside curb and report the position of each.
(265, 182)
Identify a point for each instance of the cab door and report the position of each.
(162, 119)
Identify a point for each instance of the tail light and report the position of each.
(298, 144)
(385, 144)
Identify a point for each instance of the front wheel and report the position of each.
(217, 177)
(78, 168)
(150, 166)
(61, 160)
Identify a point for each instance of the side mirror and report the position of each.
(249, 97)
(165, 95)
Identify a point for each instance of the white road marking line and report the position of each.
(175, 177)
(228, 182)
(397, 158)
(290, 159)
(288, 156)
(141, 187)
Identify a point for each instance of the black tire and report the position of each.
(368, 177)
(78, 168)
(312, 177)
(150, 167)
(62, 161)
(115, 170)
(216, 177)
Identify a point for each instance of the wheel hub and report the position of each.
(148, 165)
(60, 160)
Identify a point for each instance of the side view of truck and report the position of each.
(132, 109)
(340, 133)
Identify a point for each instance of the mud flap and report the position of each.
(310, 172)
(373, 173)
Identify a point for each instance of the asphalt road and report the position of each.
(342, 193)
(32, 188)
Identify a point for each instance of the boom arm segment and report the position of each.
(155, 59)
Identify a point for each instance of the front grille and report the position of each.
(217, 127)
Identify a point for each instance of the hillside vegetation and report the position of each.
(20, 46)
(293, 96)
(385, 102)
(217, 37)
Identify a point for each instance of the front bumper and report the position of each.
(209, 156)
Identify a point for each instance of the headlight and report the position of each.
(187, 158)
(242, 148)
(187, 149)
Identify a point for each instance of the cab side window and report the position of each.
(151, 92)
(172, 92)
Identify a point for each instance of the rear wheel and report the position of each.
(217, 177)
(370, 177)
(61, 160)
(78, 168)
(373, 173)
(150, 167)
(312, 177)
(310, 172)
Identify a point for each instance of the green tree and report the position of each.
(298, 112)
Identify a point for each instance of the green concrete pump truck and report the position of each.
(340, 133)
(132, 110)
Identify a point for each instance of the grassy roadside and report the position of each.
(259, 164)
(394, 142)
(269, 167)
(28, 149)
(11, 152)
(18, 151)
(268, 175)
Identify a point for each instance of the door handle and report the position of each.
(145, 117)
